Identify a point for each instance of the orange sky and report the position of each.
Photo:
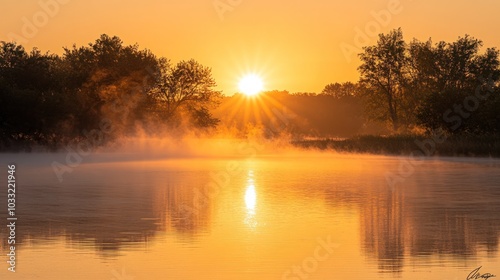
(294, 44)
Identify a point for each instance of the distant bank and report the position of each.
(418, 145)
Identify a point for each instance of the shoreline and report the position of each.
(404, 145)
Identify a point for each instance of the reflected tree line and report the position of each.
(87, 217)
(426, 217)
(53, 100)
(115, 217)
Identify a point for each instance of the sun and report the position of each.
(251, 85)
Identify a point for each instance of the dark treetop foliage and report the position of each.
(53, 100)
(447, 86)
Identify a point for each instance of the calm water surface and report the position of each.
(308, 217)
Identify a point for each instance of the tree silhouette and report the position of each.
(72, 94)
(451, 73)
(29, 97)
(429, 85)
(383, 75)
(188, 88)
(109, 80)
(341, 91)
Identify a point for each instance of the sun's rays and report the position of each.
(260, 111)
(254, 106)
(251, 84)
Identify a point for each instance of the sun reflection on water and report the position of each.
(250, 198)
(250, 201)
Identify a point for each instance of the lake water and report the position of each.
(313, 216)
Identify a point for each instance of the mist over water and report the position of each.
(237, 209)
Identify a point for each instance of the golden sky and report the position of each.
(295, 45)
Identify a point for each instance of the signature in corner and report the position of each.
(475, 274)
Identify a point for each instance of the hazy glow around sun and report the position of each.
(251, 84)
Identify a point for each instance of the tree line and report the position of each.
(52, 100)
(451, 87)
(335, 112)
(416, 87)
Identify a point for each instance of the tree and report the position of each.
(449, 74)
(341, 91)
(188, 88)
(383, 74)
(30, 106)
(110, 80)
